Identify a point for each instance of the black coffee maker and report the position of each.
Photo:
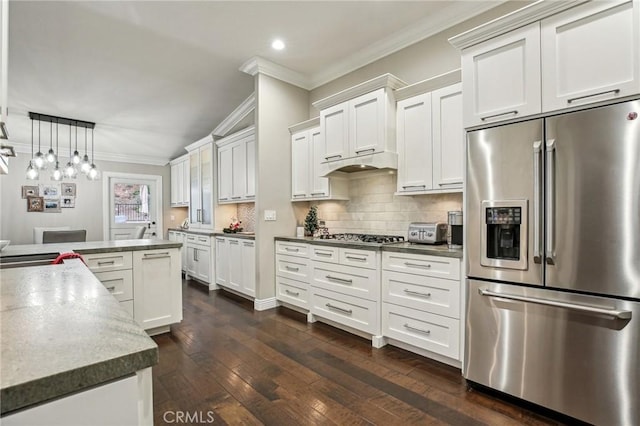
(455, 229)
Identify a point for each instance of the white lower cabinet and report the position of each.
(235, 265)
(421, 302)
(198, 257)
(180, 237)
(292, 274)
(147, 283)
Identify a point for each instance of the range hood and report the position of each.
(379, 160)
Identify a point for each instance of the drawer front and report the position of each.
(324, 253)
(100, 262)
(295, 268)
(360, 258)
(428, 294)
(118, 283)
(358, 313)
(358, 282)
(293, 292)
(203, 240)
(434, 333)
(127, 305)
(292, 248)
(430, 266)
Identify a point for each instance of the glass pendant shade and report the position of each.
(32, 172)
(76, 157)
(86, 165)
(56, 174)
(39, 162)
(70, 170)
(93, 173)
(51, 156)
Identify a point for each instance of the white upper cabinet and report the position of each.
(201, 188)
(590, 53)
(431, 137)
(367, 123)
(335, 124)
(501, 77)
(180, 183)
(307, 153)
(236, 167)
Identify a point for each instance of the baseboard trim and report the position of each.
(265, 304)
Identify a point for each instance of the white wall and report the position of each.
(278, 106)
(16, 224)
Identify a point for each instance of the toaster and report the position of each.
(428, 232)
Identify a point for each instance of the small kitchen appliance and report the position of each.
(428, 232)
(455, 229)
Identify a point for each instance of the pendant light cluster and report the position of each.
(75, 164)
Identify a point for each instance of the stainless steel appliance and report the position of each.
(427, 232)
(362, 238)
(455, 229)
(553, 262)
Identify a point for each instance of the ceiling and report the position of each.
(156, 76)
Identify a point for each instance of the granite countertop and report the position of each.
(242, 235)
(194, 231)
(404, 247)
(63, 332)
(90, 247)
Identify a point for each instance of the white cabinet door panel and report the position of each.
(335, 132)
(225, 173)
(414, 144)
(234, 259)
(248, 255)
(367, 123)
(448, 137)
(319, 186)
(300, 165)
(251, 168)
(239, 170)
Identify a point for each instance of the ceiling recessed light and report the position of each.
(277, 44)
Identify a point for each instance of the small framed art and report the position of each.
(35, 204)
(29, 191)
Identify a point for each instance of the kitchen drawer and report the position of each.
(354, 312)
(100, 262)
(119, 283)
(293, 292)
(203, 240)
(428, 294)
(296, 268)
(324, 253)
(419, 264)
(127, 305)
(292, 248)
(434, 333)
(358, 282)
(360, 258)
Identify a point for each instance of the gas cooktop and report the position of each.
(363, 238)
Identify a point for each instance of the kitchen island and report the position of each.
(70, 353)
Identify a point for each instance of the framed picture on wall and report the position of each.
(52, 205)
(35, 204)
(50, 191)
(67, 202)
(68, 190)
(29, 191)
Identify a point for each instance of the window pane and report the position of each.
(131, 202)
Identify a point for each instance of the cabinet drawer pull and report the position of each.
(156, 255)
(337, 157)
(323, 253)
(246, 244)
(363, 259)
(112, 288)
(414, 186)
(236, 198)
(106, 262)
(372, 150)
(293, 293)
(417, 293)
(298, 195)
(292, 249)
(489, 117)
(318, 193)
(204, 240)
(341, 280)
(249, 196)
(234, 242)
(614, 92)
(417, 265)
(337, 308)
(223, 198)
(419, 330)
(291, 268)
(191, 238)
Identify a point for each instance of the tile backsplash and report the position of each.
(247, 215)
(373, 208)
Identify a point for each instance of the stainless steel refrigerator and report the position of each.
(553, 262)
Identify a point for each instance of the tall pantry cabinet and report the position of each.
(201, 187)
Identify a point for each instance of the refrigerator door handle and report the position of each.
(615, 313)
(537, 194)
(550, 249)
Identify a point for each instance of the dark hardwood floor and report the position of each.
(228, 364)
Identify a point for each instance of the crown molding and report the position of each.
(238, 114)
(23, 148)
(259, 65)
(511, 21)
(431, 84)
(314, 122)
(197, 144)
(433, 24)
(388, 81)
(249, 131)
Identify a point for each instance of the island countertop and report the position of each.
(89, 247)
(62, 332)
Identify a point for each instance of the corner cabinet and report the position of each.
(180, 182)
(307, 182)
(201, 187)
(550, 56)
(357, 125)
(431, 139)
(236, 167)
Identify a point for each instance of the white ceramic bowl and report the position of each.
(4, 243)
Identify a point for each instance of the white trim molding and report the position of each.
(249, 131)
(265, 304)
(314, 122)
(259, 65)
(424, 86)
(238, 114)
(519, 18)
(197, 144)
(389, 81)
